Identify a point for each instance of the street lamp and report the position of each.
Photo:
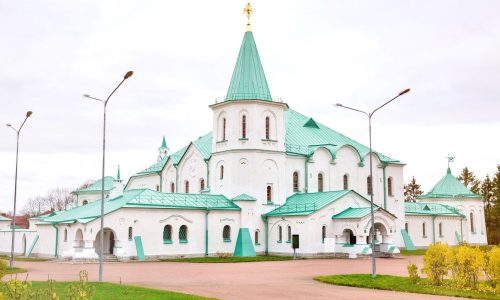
(101, 234)
(18, 131)
(370, 115)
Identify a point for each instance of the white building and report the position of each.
(262, 175)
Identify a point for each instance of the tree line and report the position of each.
(488, 188)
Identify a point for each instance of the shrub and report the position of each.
(467, 266)
(81, 290)
(492, 266)
(413, 273)
(3, 267)
(437, 262)
(17, 289)
(224, 255)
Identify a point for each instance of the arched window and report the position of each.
(130, 233)
(289, 234)
(323, 233)
(320, 182)
(280, 234)
(65, 234)
(85, 202)
(389, 186)
(202, 184)
(183, 234)
(243, 127)
(268, 128)
(423, 230)
(226, 233)
(157, 187)
(369, 186)
(406, 226)
(256, 237)
(186, 186)
(172, 187)
(221, 175)
(346, 182)
(472, 229)
(224, 129)
(441, 229)
(269, 194)
(295, 181)
(167, 234)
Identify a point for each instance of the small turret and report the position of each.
(163, 150)
(117, 189)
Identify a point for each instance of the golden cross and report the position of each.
(249, 11)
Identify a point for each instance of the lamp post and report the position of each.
(18, 131)
(101, 234)
(370, 115)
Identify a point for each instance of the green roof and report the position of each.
(2, 218)
(431, 209)
(97, 186)
(164, 143)
(155, 168)
(248, 80)
(448, 187)
(244, 197)
(304, 136)
(305, 204)
(353, 213)
(142, 198)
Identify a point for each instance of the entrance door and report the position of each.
(111, 242)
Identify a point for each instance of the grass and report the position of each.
(231, 259)
(402, 284)
(413, 252)
(14, 270)
(117, 291)
(22, 258)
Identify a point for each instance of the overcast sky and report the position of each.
(314, 53)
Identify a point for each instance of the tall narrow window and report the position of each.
(280, 234)
(389, 186)
(369, 186)
(157, 187)
(167, 234)
(244, 127)
(256, 237)
(223, 129)
(130, 233)
(221, 175)
(202, 184)
(65, 235)
(406, 226)
(172, 187)
(295, 181)
(186, 186)
(268, 129)
(320, 182)
(423, 230)
(85, 202)
(269, 194)
(183, 234)
(226, 233)
(441, 229)
(472, 229)
(346, 182)
(289, 234)
(323, 233)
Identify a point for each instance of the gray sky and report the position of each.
(314, 53)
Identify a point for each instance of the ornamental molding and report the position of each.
(175, 216)
(226, 220)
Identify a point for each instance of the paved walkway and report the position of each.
(257, 280)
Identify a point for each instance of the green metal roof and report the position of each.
(244, 197)
(248, 80)
(431, 209)
(353, 213)
(2, 218)
(304, 136)
(97, 186)
(155, 168)
(448, 187)
(164, 143)
(142, 198)
(305, 204)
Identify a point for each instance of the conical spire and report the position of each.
(248, 81)
(164, 143)
(118, 178)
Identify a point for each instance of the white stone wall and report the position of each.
(192, 169)
(23, 241)
(150, 181)
(449, 227)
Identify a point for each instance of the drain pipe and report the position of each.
(56, 252)
(206, 232)
(266, 220)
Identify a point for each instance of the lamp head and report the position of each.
(338, 104)
(129, 73)
(404, 92)
(86, 95)
(8, 125)
(29, 113)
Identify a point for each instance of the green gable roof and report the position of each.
(305, 204)
(304, 136)
(155, 168)
(97, 186)
(448, 187)
(244, 197)
(142, 198)
(2, 218)
(431, 209)
(248, 80)
(353, 213)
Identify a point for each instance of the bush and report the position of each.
(3, 267)
(492, 266)
(413, 273)
(224, 255)
(81, 290)
(467, 266)
(437, 262)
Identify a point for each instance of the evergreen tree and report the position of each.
(494, 234)
(487, 194)
(412, 190)
(470, 181)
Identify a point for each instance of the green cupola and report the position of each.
(449, 187)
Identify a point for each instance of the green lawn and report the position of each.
(14, 270)
(22, 258)
(118, 291)
(231, 259)
(402, 284)
(413, 252)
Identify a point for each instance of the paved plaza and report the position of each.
(256, 280)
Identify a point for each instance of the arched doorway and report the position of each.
(23, 246)
(349, 237)
(381, 234)
(109, 241)
(78, 242)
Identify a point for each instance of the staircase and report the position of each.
(110, 258)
